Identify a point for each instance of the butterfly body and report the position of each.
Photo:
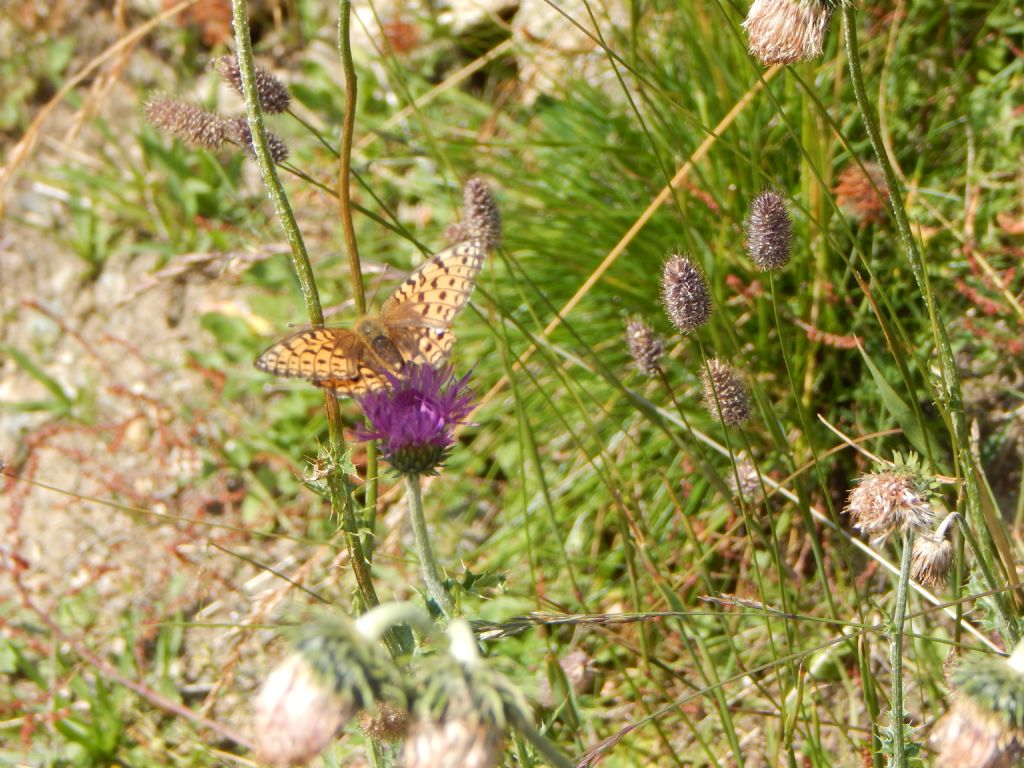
(413, 327)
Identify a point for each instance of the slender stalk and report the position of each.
(951, 389)
(896, 713)
(351, 244)
(341, 491)
(345, 154)
(428, 565)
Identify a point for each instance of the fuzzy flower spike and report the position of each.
(415, 419)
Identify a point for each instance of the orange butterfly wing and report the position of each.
(416, 319)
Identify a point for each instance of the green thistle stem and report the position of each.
(899, 747)
(428, 565)
(351, 244)
(341, 492)
(951, 391)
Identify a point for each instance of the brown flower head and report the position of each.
(645, 347)
(785, 31)
(240, 134)
(890, 500)
(390, 723)
(480, 215)
(725, 394)
(931, 559)
(862, 192)
(685, 293)
(273, 94)
(186, 121)
(984, 727)
(769, 231)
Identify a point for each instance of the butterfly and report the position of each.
(413, 327)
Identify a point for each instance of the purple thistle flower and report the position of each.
(415, 418)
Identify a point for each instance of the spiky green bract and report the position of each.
(447, 689)
(995, 686)
(984, 727)
(348, 663)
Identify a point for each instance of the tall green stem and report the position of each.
(428, 565)
(341, 491)
(954, 407)
(899, 747)
(351, 244)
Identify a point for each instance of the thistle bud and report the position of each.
(769, 231)
(890, 500)
(984, 727)
(455, 743)
(480, 215)
(297, 714)
(931, 560)
(462, 708)
(188, 122)
(333, 671)
(786, 31)
(241, 134)
(273, 94)
(645, 347)
(685, 293)
(725, 394)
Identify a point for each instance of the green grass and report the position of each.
(723, 630)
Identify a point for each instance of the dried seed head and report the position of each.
(887, 501)
(746, 481)
(645, 347)
(685, 293)
(273, 94)
(862, 192)
(240, 133)
(725, 394)
(931, 560)
(580, 672)
(785, 31)
(296, 714)
(984, 727)
(186, 121)
(480, 215)
(769, 231)
(391, 723)
(453, 743)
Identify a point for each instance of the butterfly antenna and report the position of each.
(379, 282)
